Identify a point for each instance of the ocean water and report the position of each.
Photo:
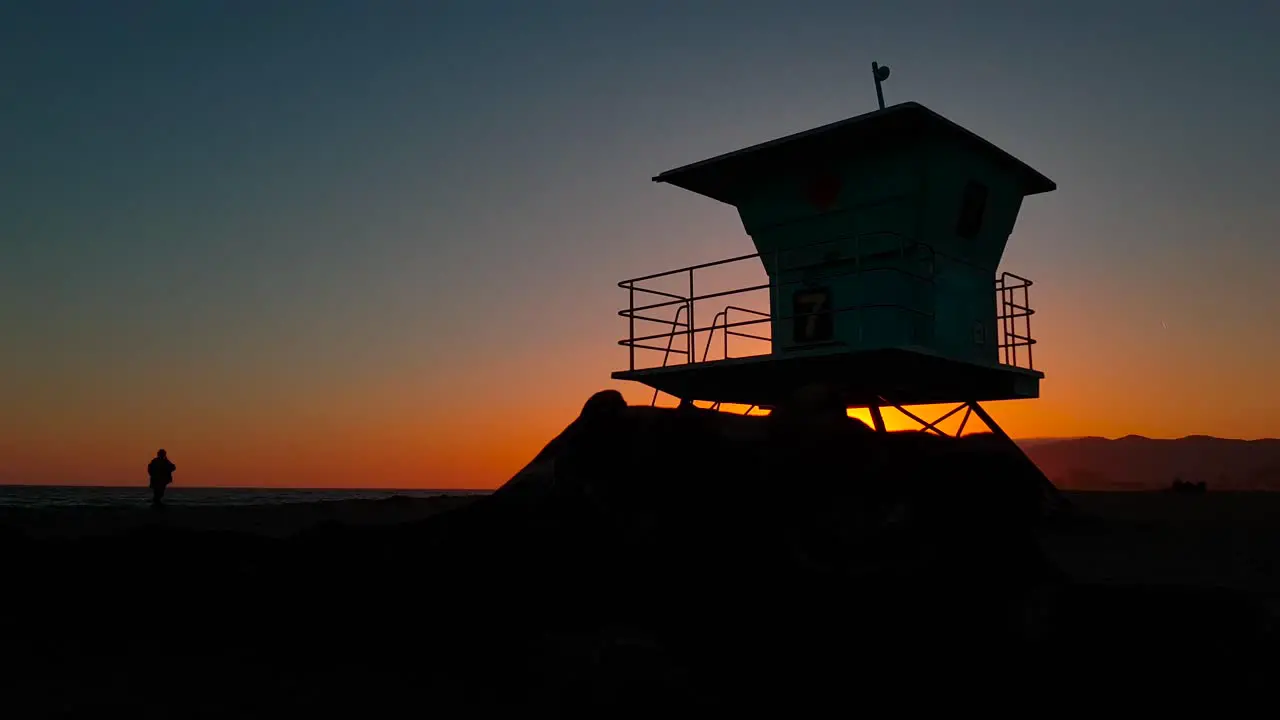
(68, 496)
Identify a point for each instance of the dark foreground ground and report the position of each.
(552, 600)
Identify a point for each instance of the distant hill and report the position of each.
(1035, 442)
(1134, 462)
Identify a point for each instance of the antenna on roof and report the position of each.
(880, 73)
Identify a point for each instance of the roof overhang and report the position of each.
(723, 177)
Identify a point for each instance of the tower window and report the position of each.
(972, 208)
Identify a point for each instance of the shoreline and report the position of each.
(281, 519)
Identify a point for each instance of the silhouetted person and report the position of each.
(161, 472)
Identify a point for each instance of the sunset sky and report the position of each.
(375, 243)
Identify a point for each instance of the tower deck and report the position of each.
(732, 359)
(890, 376)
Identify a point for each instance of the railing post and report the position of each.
(1006, 344)
(631, 323)
(726, 334)
(1003, 332)
(1015, 311)
(1009, 301)
(775, 299)
(1026, 300)
(692, 345)
(1011, 326)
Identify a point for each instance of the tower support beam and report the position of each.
(933, 426)
(877, 418)
(1055, 498)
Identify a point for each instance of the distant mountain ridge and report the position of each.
(1134, 462)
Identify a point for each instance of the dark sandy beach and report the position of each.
(1228, 540)
(586, 585)
(1221, 540)
(218, 612)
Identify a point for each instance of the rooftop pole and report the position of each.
(880, 73)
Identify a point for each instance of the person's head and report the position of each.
(160, 452)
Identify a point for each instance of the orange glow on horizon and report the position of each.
(470, 415)
(469, 451)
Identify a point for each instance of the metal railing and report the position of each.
(885, 247)
(901, 256)
(1011, 311)
(726, 332)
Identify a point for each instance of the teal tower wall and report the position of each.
(882, 231)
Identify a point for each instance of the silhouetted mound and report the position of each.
(1182, 487)
(646, 559)
(779, 474)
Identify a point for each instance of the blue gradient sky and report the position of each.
(346, 242)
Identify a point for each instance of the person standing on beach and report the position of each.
(161, 471)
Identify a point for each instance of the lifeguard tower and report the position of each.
(880, 239)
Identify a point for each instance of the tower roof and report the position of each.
(722, 177)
